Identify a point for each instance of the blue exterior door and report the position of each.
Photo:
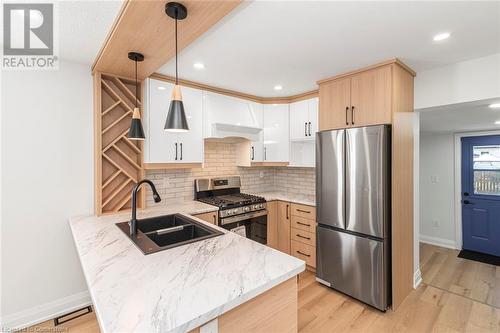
(481, 194)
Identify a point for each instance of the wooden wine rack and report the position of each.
(118, 160)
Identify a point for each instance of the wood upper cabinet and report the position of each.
(371, 97)
(284, 216)
(365, 97)
(334, 104)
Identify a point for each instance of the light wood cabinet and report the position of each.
(371, 97)
(272, 224)
(334, 103)
(362, 98)
(284, 215)
(210, 217)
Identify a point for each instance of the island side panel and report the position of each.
(273, 311)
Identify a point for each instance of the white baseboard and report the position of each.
(417, 278)
(450, 244)
(45, 311)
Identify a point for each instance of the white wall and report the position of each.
(47, 163)
(437, 188)
(466, 81)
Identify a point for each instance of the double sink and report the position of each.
(164, 232)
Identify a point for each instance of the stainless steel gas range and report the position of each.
(242, 213)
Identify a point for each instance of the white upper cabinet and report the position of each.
(257, 145)
(166, 147)
(276, 133)
(304, 119)
(299, 120)
(313, 106)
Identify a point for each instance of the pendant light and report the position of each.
(176, 118)
(136, 131)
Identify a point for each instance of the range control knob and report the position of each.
(246, 209)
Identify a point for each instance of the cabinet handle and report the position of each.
(352, 114)
(215, 219)
(346, 115)
(287, 211)
(176, 151)
(305, 224)
(308, 238)
(304, 254)
(304, 211)
(305, 128)
(309, 128)
(181, 150)
(253, 153)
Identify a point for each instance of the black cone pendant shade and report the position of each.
(176, 118)
(136, 131)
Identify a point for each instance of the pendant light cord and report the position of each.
(136, 84)
(176, 64)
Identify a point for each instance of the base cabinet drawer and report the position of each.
(307, 212)
(305, 237)
(303, 224)
(304, 252)
(208, 217)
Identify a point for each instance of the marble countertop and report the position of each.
(174, 290)
(283, 196)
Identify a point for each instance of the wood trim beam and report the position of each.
(380, 64)
(237, 94)
(143, 26)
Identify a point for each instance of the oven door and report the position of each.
(251, 225)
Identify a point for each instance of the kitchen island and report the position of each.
(183, 288)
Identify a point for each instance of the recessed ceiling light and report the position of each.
(199, 65)
(495, 106)
(278, 87)
(441, 36)
(497, 122)
(161, 88)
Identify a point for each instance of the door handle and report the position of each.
(467, 202)
(176, 151)
(305, 128)
(309, 128)
(181, 151)
(352, 115)
(346, 115)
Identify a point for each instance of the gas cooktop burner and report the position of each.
(232, 200)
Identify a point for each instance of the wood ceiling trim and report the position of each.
(142, 26)
(380, 64)
(227, 92)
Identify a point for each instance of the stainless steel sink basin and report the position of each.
(168, 231)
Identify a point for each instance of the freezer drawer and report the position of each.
(354, 265)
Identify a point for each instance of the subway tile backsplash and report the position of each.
(220, 160)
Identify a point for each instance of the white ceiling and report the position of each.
(83, 27)
(296, 43)
(471, 116)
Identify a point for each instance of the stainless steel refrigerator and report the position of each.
(353, 177)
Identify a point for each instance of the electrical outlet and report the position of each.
(435, 223)
(261, 174)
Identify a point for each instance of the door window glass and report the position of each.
(486, 164)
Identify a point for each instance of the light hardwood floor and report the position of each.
(443, 307)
